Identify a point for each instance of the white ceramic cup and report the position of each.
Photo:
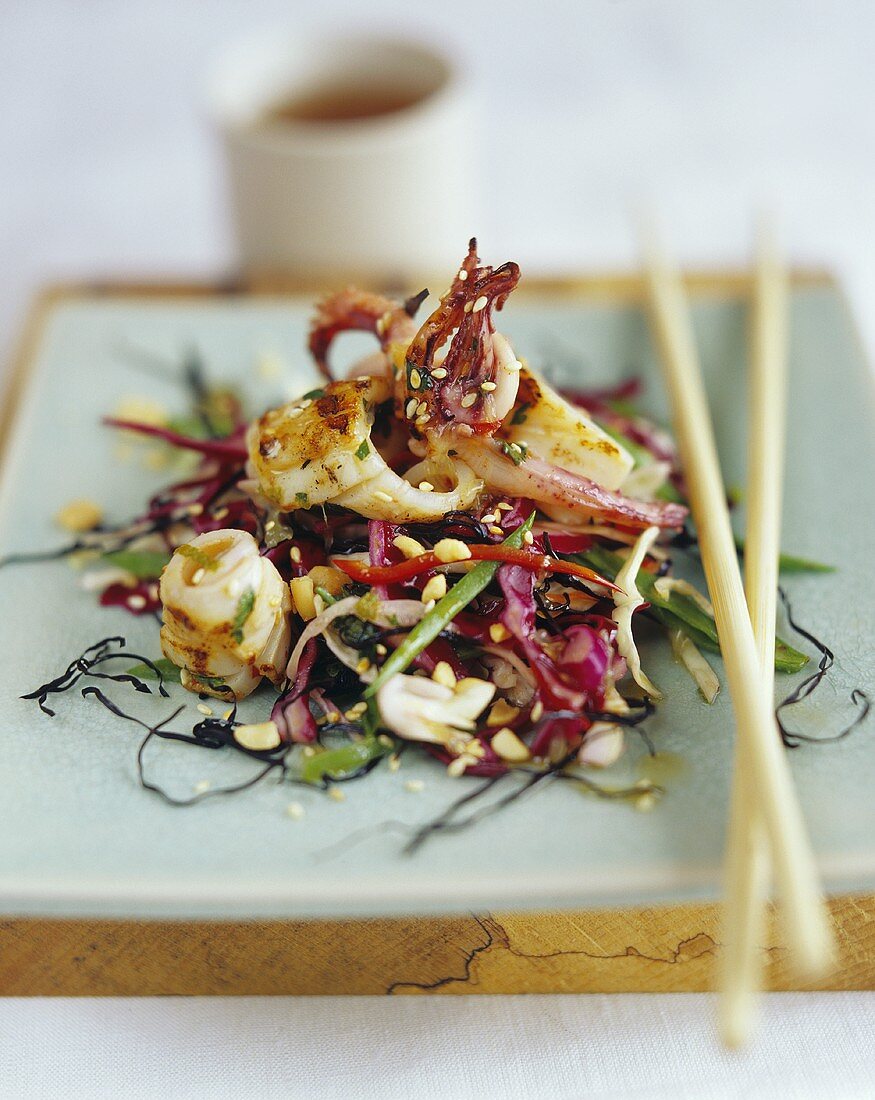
(386, 194)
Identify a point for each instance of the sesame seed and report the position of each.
(488, 387)
(463, 275)
(380, 495)
(435, 588)
(426, 487)
(528, 538)
(394, 762)
(295, 413)
(429, 605)
(337, 794)
(295, 555)
(153, 591)
(409, 547)
(495, 530)
(513, 368)
(333, 716)
(467, 308)
(450, 550)
(415, 379)
(414, 786)
(537, 711)
(443, 674)
(274, 602)
(295, 811)
(491, 517)
(306, 403)
(201, 786)
(195, 509)
(356, 711)
(269, 526)
(504, 507)
(410, 408)
(440, 374)
(198, 575)
(204, 709)
(136, 602)
(363, 665)
(480, 303)
(380, 649)
(421, 408)
(385, 740)
(644, 803)
(308, 750)
(468, 400)
(498, 632)
(423, 419)
(220, 513)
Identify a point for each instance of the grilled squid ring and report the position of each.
(226, 615)
(321, 452)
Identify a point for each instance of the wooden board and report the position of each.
(657, 949)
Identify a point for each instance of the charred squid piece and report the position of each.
(475, 384)
(354, 310)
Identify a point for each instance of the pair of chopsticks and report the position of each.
(766, 831)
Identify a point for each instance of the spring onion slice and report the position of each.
(626, 603)
(443, 613)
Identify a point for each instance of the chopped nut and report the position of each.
(426, 487)
(337, 794)
(303, 597)
(409, 547)
(435, 588)
(204, 709)
(537, 711)
(356, 711)
(498, 632)
(363, 665)
(295, 811)
(502, 713)
(201, 786)
(443, 674)
(451, 550)
(414, 786)
(79, 515)
(260, 737)
(394, 762)
(509, 747)
(136, 602)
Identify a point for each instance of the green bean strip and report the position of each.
(443, 613)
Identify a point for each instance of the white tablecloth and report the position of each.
(705, 109)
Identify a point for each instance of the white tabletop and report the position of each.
(704, 110)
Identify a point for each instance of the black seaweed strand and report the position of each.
(793, 738)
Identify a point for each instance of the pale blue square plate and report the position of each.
(77, 834)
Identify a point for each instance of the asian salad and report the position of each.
(439, 549)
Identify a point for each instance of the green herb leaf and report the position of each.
(244, 609)
(790, 563)
(364, 449)
(169, 671)
(343, 761)
(302, 498)
(145, 565)
(519, 417)
(313, 395)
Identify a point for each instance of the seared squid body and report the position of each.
(226, 615)
(321, 452)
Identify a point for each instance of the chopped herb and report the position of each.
(244, 609)
(143, 564)
(302, 498)
(519, 417)
(313, 395)
(201, 557)
(343, 762)
(516, 452)
(368, 606)
(364, 449)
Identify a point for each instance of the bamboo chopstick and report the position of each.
(747, 870)
(768, 772)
